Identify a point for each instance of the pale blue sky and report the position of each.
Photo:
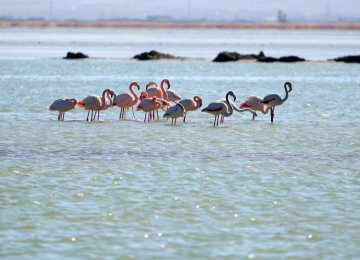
(185, 9)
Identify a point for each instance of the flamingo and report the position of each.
(173, 96)
(96, 103)
(174, 112)
(63, 105)
(148, 105)
(191, 104)
(253, 102)
(156, 91)
(126, 100)
(223, 100)
(220, 108)
(274, 100)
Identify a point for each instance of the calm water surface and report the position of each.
(130, 190)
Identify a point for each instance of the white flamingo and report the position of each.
(63, 105)
(174, 112)
(96, 103)
(274, 100)
(220, 108)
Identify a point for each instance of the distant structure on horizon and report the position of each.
(281, 17)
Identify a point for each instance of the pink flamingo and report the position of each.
(220, 108)
(156, 91)
(191, 104)
(96, 103)
(148, 105)
(126, 100)
(63, 105)
(253, 102)
(274, 100)
(173, 96)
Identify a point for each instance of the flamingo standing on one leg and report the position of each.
(148, 105)
(274, 100)
(220, 108)
(191, 104)
(63, 105)
(96, 103)
(127, 100)
(253, 102)
(174, 112)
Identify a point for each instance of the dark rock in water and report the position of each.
(153, 55)
(74, 56)
(349, 59)
(268, 59)
(281, 59)
(290, 59)
(235, 56)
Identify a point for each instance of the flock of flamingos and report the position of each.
(157, 97)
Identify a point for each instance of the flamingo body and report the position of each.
(175, 112)
(127, 100)
(220, 108)
(63, 105)
(273, 100)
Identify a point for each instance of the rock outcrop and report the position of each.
(226, 56)
(154, 55)
(77, 55)
(348, 59)
(282, 59)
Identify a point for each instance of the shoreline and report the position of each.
(179, 25)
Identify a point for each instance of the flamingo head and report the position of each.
(288, 85)
(167, 83)
(150, 84)
(135, 84)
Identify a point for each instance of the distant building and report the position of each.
(281, 17)
(159, 18)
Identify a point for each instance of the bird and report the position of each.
(223, 100)
(173, 96)
(63, 105)
(253, 102)
(127, 100)
(97, 103)
(148, 105)
(174, 112)
(191, 104)
(220, 108)
(274, 100)
(156, 91)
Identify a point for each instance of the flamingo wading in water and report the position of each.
(220, 108)
(63, 105)
(274, 100)
(191, 104)
(96, 103)
(148, 105)
(174, 112)
(127, 100)
(253, 102)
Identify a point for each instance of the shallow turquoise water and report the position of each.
(128, 189)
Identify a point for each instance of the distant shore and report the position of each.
(180, 25)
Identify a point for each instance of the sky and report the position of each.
(223, 10)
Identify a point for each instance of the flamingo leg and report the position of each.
(59, 116)
(272, 114)
(132, 108)
(87, 119)
(253, 118)
(184, 118)
(98, 113)
(62, 116)
(145, 117)
(215, 120)
(175, 120)
(92, 115)
(157, 113)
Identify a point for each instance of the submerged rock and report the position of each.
(74, 56)
(154, 55)
(348, 59)
(235, 56)
(281, 59)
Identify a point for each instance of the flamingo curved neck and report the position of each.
(265, 111)
(105, 96)
(164, 93)
(229, 106)
(131, 88)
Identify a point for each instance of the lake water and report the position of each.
(132, 190)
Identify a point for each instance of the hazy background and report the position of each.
(215, 10)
